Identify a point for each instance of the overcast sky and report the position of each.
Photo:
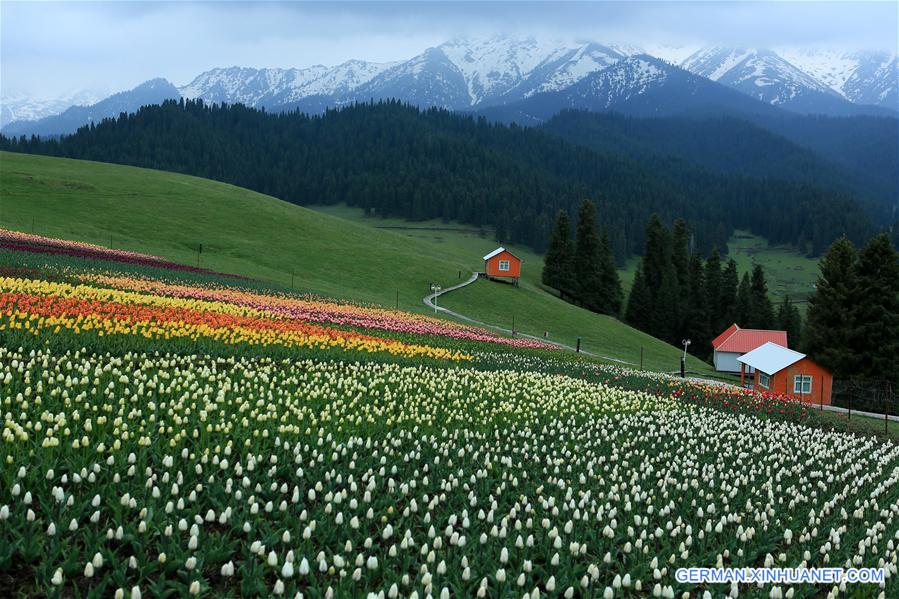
(51, 48)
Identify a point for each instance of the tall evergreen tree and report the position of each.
(696, 321)
(730, 283)
(587, 259)
(789, 320)
(656, 253)
(830, 321)
(743, 305)
(761, 315)
(665, 305)
(661, 281)
(639, 302)
(558, 264)
(875, 336)
(680, 259)
(612, 296)
(680, 251)
(714, 299)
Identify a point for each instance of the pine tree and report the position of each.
(730, 282)
(661, 281)
(656, 253)
(831, 310)
(789, 320)
(696, 321)
(680, 252)
(875, 336)
(713, 292)
(663, 324)
(680, 259)
(743, 305)
(558, 265)
(639, 302)
(761, 315)
(587, 259)
(612, 296)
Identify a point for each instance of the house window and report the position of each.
(504, 265)
(802, 383)
(764, 380)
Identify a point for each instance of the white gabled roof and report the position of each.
(770, 358)
(494, 253)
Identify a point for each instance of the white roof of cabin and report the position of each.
(494, 253)
(770, 358)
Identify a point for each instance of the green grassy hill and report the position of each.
(256, 235)
(532, 308)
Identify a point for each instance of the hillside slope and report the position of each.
(248, 233)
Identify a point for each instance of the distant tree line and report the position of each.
(853, 315)
(394, 160)
(584, 270)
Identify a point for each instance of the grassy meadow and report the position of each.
(251, 234)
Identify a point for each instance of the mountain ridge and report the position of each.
(476, 73)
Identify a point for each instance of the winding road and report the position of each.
(429, 301)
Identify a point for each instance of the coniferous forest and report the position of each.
(853, 315)
(583, 271)
(675, 294)
(395, 160)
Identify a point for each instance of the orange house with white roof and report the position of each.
(502, 264)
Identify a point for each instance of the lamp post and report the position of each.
(435, 289)
(683, 361)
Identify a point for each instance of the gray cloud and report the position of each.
(49, 48)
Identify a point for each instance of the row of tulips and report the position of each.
(706, 393)
(170, 475)
(312, 309)
(48, 307)
(18, 241)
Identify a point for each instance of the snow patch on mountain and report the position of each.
(831, 67)
(760, 73)
(861, 77)
(493, 66)
(25, 107)
(265, 87)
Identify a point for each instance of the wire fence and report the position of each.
(879, 397)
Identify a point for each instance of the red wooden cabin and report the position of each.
(501, 263)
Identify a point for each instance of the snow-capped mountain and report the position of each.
(504, 69)
(860, 77)
(473, 74)
(458, 74)
(276, 87)
(640, 85)
(768, 76)
(22, 107)
(154, 91)
(429, 79)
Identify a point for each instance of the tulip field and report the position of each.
(169, 431)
